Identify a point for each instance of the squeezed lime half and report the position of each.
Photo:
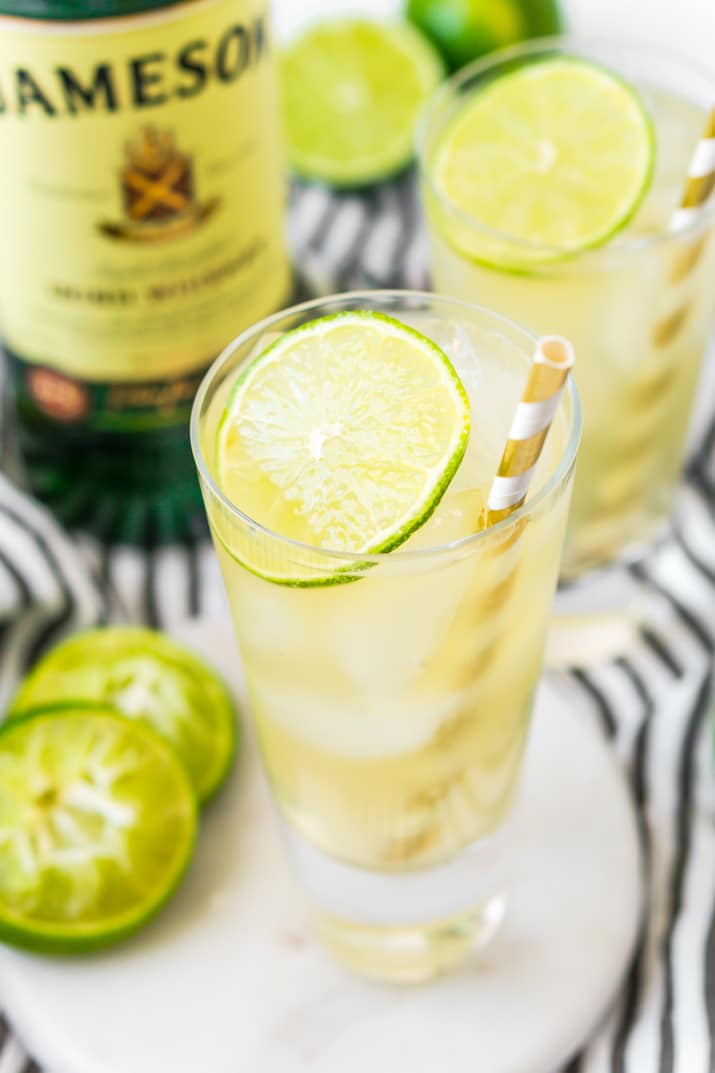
(145, 676)
(351, 92)
(98, 821)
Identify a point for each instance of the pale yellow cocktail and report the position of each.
(640, 335)
(392, 693)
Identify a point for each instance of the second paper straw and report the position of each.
(551, 365)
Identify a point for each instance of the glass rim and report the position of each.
(556, 479)
(581, 44)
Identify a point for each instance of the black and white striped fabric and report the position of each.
(653, 702)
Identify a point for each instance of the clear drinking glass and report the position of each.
(639, 332)
(392, 710)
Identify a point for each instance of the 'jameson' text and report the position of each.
(144, 81)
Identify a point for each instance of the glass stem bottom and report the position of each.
(414, 953)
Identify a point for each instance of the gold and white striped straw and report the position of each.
(552, 362)
(699, 186)
(648, 396)
(700, 180)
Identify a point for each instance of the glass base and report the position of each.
(413, 954)
(407, 926)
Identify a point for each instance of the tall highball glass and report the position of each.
(638, 309)
(392, 711)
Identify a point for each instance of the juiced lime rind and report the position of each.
(497, 246)
(317, 557)
(312, 70)
(175, 800)
(184, 699)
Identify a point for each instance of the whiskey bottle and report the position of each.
(141, 202)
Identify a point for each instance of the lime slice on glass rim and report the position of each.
(555, 154)
(343, 434)
(351, 92)
(98, 822)
(145, 676)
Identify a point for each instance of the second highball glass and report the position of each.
(640, 332)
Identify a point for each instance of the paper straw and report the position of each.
(700, 180)
(552, 362)
(699, 186)
(649, 396)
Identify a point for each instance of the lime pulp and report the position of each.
(342, 435)
(98, 822)
(145, 676)
(351, 92)
(549, 158)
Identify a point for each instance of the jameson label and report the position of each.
(140, 200)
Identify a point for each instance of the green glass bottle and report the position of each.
(141, 215)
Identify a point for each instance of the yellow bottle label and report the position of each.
(141, 189)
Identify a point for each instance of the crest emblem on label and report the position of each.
(158, 191)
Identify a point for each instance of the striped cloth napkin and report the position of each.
(653, 702)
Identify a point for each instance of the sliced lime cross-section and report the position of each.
(351, 91)
(555, 155)
(341, 435)
(97, 826)
(146, 676)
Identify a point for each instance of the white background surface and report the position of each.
(230, 978)
(683, 26)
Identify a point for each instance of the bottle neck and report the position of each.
(80, 10)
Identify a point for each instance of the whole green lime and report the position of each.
(462, 30)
